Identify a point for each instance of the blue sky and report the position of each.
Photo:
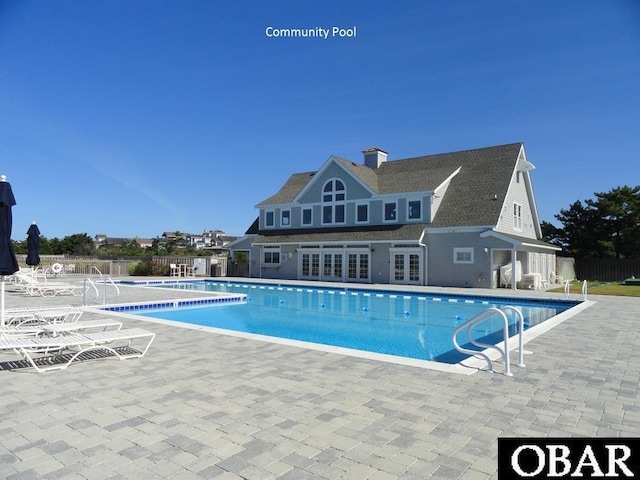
(135, 117)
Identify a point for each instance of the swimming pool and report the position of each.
(404, 324)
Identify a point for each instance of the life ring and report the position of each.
(56, 268)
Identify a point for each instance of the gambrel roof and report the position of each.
(480, 180)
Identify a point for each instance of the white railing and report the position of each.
(93, 267)
(105, 282)
(504, 352)
(85, 287)
(583, 291)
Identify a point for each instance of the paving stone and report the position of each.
(199, 401)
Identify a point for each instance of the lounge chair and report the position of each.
(49, 289)
(58, 352)
(41, 315)
(44, 288)
(54, 329)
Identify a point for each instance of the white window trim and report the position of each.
(266, 215)
(361, 204)
(334, 203)
(270, 249)
(458, 250)
(517, 219)
(282, 212)
(417, 219)
(384, 211)
(302, 216)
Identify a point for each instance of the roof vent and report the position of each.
(374, 157)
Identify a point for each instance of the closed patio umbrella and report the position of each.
(8, 261)
(33, 245)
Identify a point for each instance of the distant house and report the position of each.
(459, 219)
(179, 239)
(103, 240)
(144, 242)
(209, 240)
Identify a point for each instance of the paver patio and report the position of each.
(201, 405)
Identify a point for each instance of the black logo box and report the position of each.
(575, 457)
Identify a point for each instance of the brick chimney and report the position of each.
(374, 157)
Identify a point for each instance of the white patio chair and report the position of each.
(554, 279)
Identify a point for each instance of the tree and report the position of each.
(605, 227)
(76, 244)
(554, 235)
(619, 210)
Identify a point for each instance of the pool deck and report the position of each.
(201, 405)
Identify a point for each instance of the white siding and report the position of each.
(517, 194)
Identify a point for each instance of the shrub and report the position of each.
(149, 268)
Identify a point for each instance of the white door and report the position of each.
(358, 267)
(310, 265)
(406, 267)
(332, 266)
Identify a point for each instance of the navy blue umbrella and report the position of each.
(8, 261)
(33, 245)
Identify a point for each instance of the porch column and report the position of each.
(513, 269)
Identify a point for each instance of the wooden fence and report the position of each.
(87, 266)
(607, 270)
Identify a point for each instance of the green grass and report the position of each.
(603, 288)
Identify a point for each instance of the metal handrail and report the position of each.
(85, 288)
(583, 290)
(104, 282)
(504, 352)
(93, 267)
(520, 319)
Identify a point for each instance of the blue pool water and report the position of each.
(402, 324)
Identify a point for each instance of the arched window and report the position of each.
(334, 195)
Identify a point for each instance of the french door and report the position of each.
(332, 266)
(406, 267)
(358, 267)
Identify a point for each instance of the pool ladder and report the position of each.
(504, 351)
(567, 290)
(88, 282)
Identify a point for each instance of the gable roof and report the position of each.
(292, 187)
(475, 195)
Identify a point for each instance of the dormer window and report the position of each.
(333, 202)
(286, 218)
(269, 219)
(362, 213)
(414, 210)
(390, 212)
(307, 216)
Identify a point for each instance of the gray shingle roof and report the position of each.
(469, 200)
(289, 190)
(380, 233)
